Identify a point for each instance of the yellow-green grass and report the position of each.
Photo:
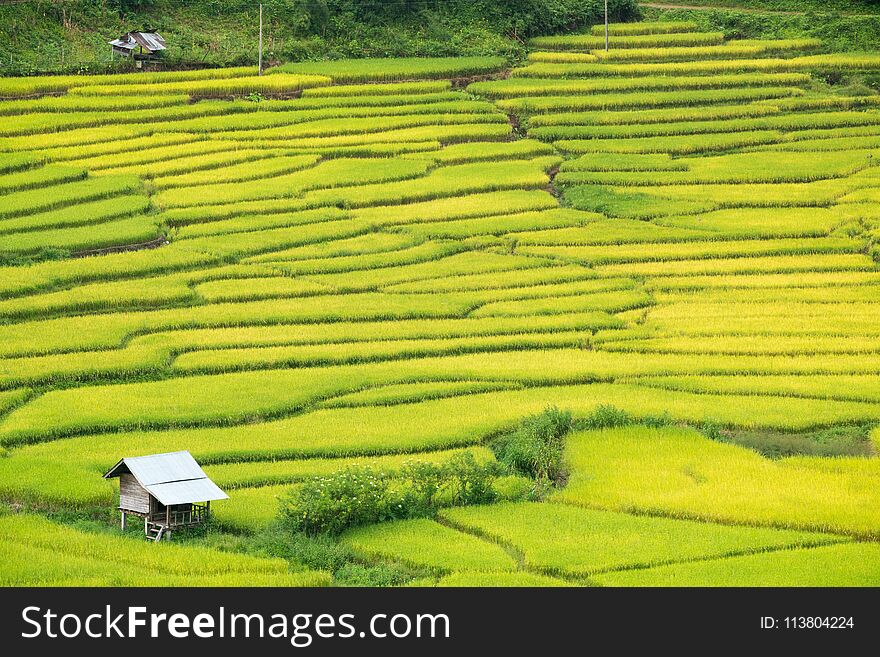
(38, 552)
(330, 173)
(501, 224)
(610, 302)
(88, 213)
(51, 174)
(256, 242)
(250, 509)
(548, 275)
(672, 251)
(70, 103)
(607, 231)
(11, 398)
(455, 207)
(445, 181)
(452, 130)
(33, 85)
(91, 189)
(561, 57)
(254, 222)
(460, 206)
(560, 539)
(849, 564)
(643, 99)
(499, 579)
(359, 96)
(754, 265)
(783, 122)
(828, 62)
(360, 124)
(216, 399)
(254, 324)
(428, 544)
(729, 50)
(259, 161)
(822, 294)
(275, 473)
(10, 162)
(68, 471)
(237, 86)
(118, 232)
(519, 87)
(645, 27)
(342, 353)
(651, 40)
(769, 281)
(761, 222)
(480, 151)
(398, 68)
(142, 145)
(686, 145)
(842, 386)
(681, 473)
(243, 123)
(415, 392)
(651, 116)
(144, 292)
(624, 162)
(49, 121)
(428, 260)
(377, 89)
(226, 168)
(46, 275)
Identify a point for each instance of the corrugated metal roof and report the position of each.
(172, 478)
(184, 492)
(147, 40)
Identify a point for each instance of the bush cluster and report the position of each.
(535, 448)
(363, 495)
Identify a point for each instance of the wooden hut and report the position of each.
(168, 491)
(139, 45)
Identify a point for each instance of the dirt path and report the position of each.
(748, 10)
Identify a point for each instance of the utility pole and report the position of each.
(260, 65)
(606, 25)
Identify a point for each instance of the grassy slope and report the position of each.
(45, 36)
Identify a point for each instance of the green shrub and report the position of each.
(363, 495)
(355, 574)
(605, 417)
(535, 447)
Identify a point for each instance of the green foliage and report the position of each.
(823, 20)
(219, 33)
(363, 495)
(535, 448)
(399, 68)
(843, 565)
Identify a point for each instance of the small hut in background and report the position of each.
(142, 46)
(168, 491)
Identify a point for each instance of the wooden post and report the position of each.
(208, 511)
(260, 64)
(122, 522)
(606, 25)
(168, 516)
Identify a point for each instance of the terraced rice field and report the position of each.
(387, 260)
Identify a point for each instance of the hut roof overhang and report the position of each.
(149, 41)
(172, 478)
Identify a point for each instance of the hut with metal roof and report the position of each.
(169, 491)
(140, 45)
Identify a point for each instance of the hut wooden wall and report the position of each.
(133, 497)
